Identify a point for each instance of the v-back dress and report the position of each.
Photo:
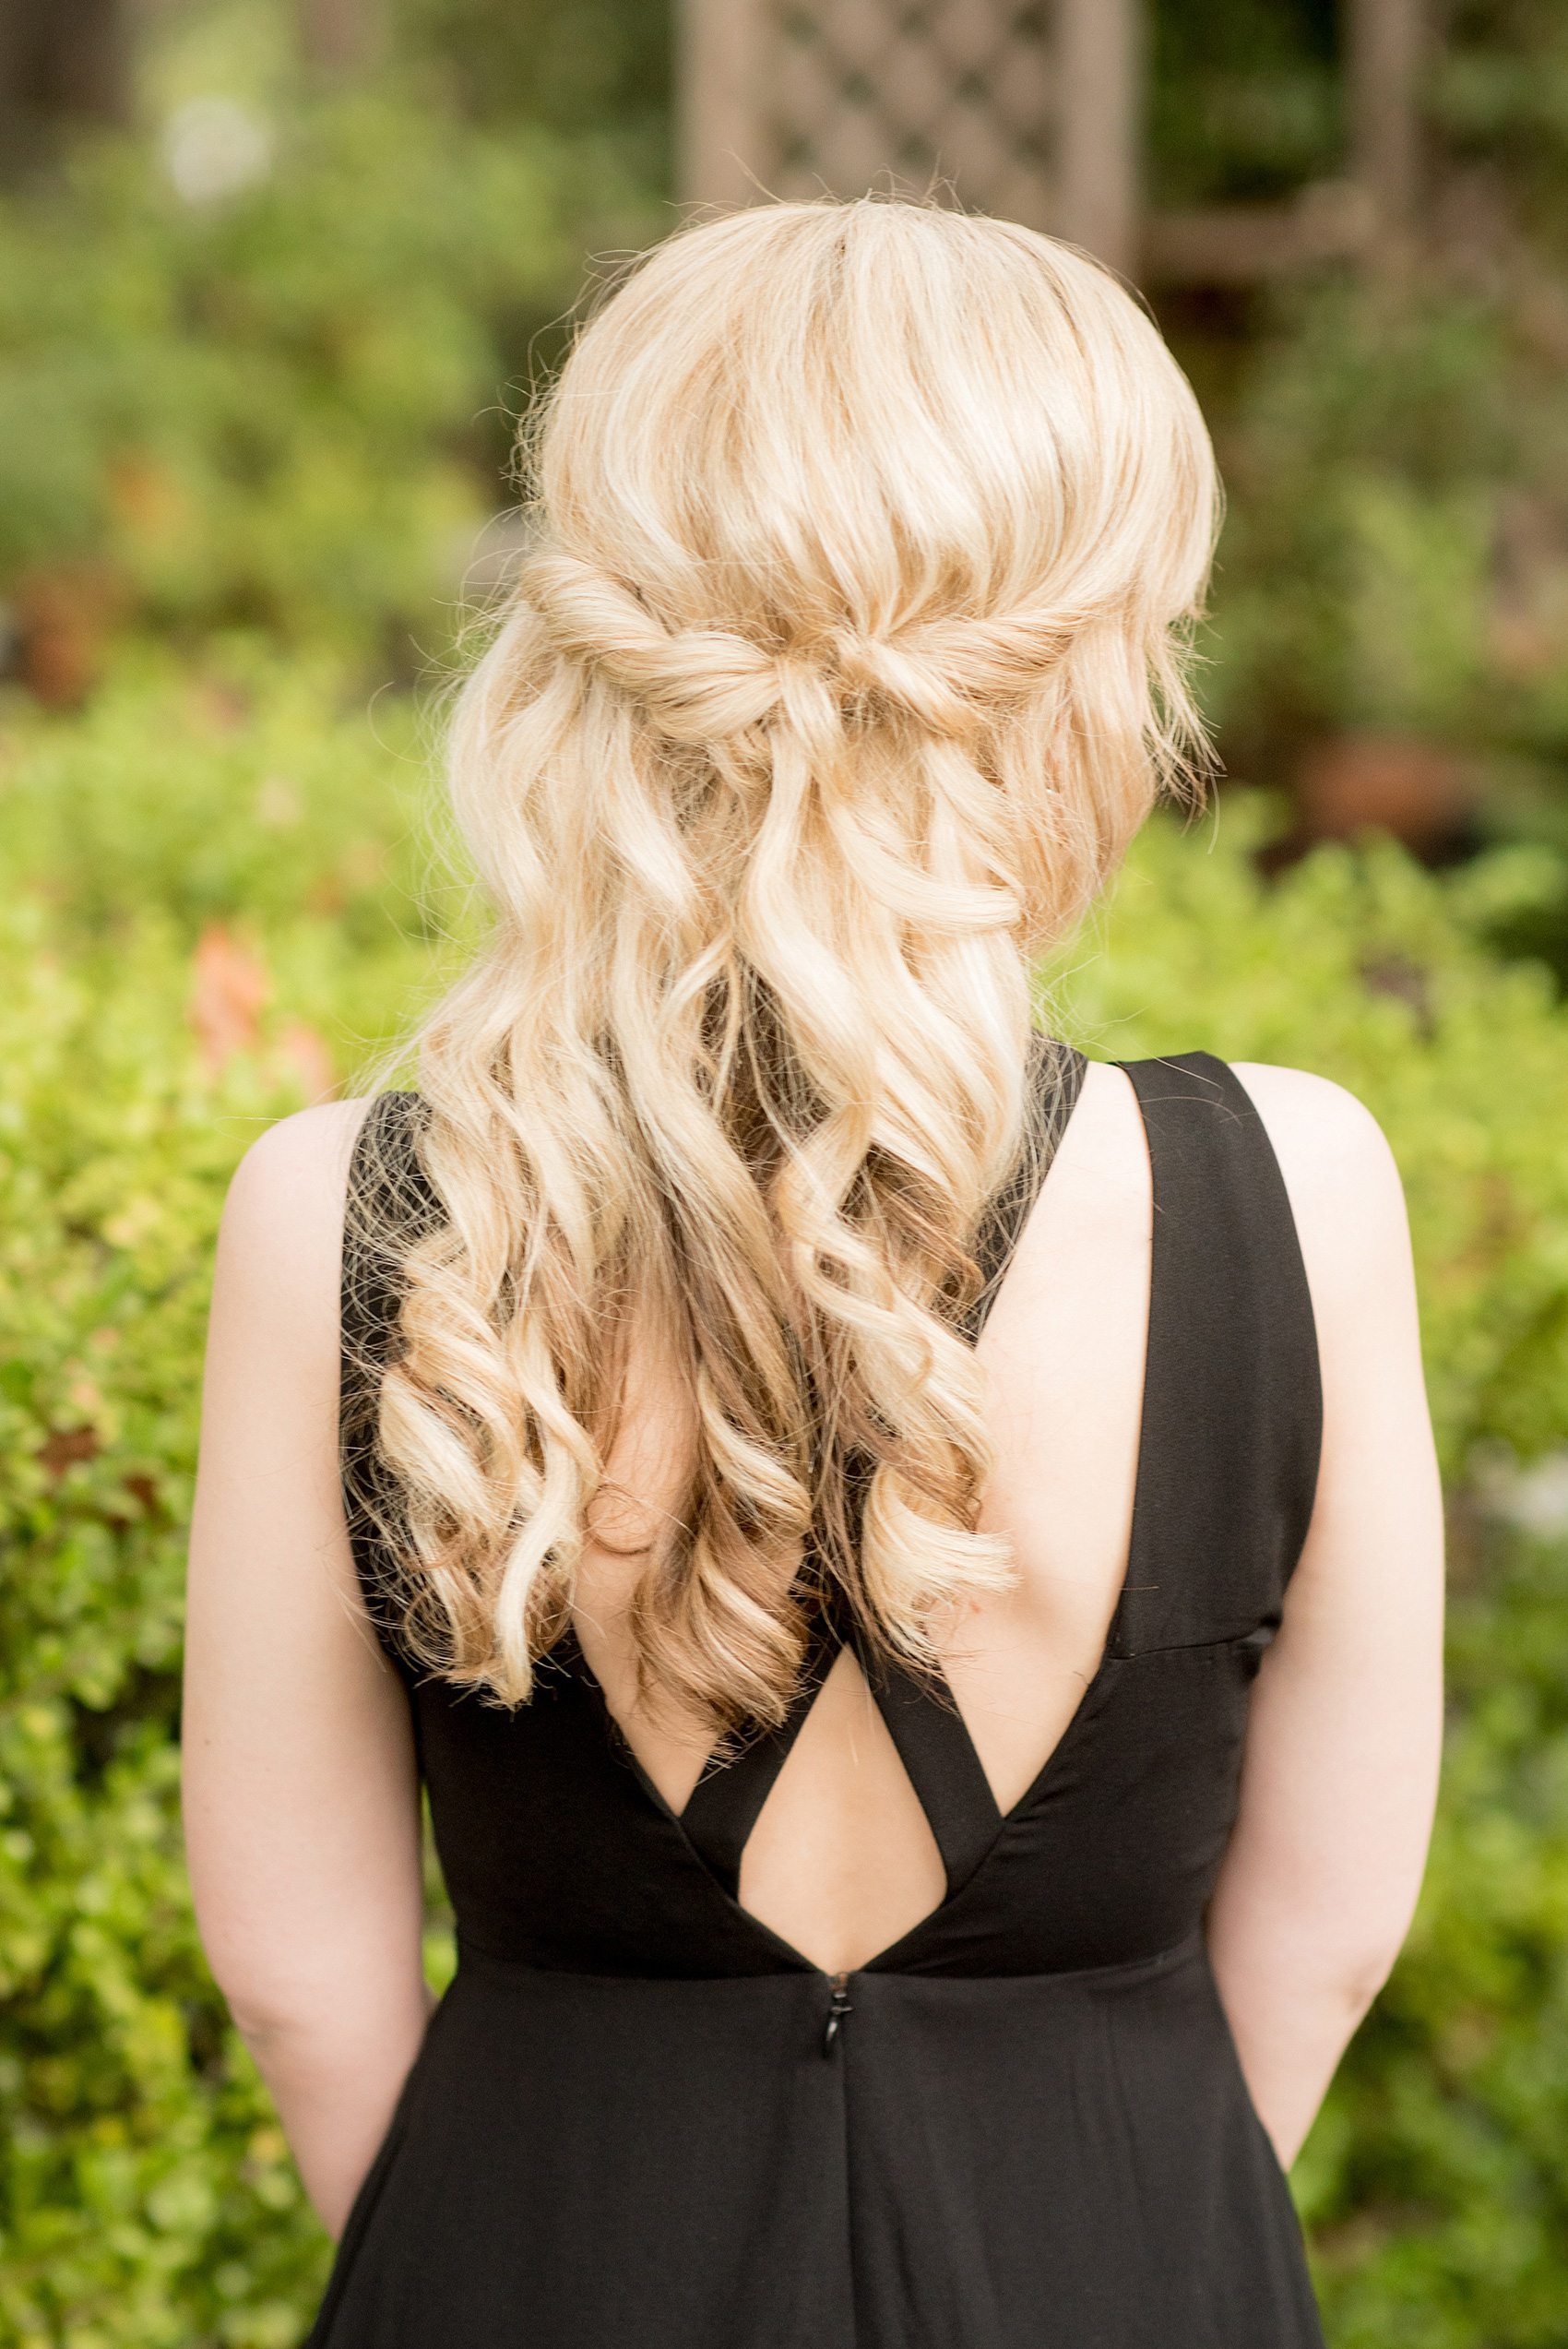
(642, 2120)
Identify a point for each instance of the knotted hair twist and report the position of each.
(698, 685)
(706, 685)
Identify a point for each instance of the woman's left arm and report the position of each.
(1340, 1776)
(300, 1796)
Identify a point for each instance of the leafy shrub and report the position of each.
(1245, 100)
(1393, 577)
(1434, 2180)
(247, 793)
(145, 2197)
(269, 410)
(1394, 554)
(603, 65)
(146, 2193)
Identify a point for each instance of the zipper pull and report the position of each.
(838, 2008)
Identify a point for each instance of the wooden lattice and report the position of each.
(857, 91)
(1031, 111)
(1026, 107)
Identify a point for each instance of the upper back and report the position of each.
(1146, 1516)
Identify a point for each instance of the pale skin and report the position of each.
(301, 1801)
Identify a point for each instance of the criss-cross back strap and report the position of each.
(940, 1761)
(930, 1741)
(727, 1800)
(923, 1719)
(389, 1202)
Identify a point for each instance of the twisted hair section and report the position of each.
(849, 658)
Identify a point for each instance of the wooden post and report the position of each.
(1387, 43)
(66, 60)
(1100, 128)
(718, 46)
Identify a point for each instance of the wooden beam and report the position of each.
(1232, 245)
(1099, 133)
(1387, 50)
(719, 125)
(1242, 243)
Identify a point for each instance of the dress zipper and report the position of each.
(838, 2007)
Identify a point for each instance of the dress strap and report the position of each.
(939, 1756)
(1054, 1080)
(388, 1207)
(1233, 1411)
(726, 1802)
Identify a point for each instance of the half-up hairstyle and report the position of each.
(847, 662)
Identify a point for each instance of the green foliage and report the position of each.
(270, 408)
(1499, 95)
(1245, 100)
(246, 795)
(1396, 448)
(146, 2193)
(601, 64)
(146, 2197)
(1434, 2179)
(1394, 558)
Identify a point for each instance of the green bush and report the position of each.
(1394, 555)
(1433, 2184)
(1393, 576)
(280, 407)
(147, 2193)
(145, 2197)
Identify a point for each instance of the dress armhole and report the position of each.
(1232, 1422)
(388, 1205)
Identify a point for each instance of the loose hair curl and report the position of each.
(848, 660)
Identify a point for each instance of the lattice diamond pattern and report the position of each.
(856, 90)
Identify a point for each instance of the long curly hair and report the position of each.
(848, 657)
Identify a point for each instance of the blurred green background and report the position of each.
(269, 304)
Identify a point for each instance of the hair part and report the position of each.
(849, 659)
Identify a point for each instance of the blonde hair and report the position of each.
(848, 661)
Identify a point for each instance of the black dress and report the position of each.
(641, 2120)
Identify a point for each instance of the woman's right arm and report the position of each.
(1340, 1771)
(301, 1795)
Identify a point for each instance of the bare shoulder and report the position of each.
(283, 1221)
(1339, 1172)
(1312, 1117)
(1102, 1157)
(1322, 1136)
(298, 1166)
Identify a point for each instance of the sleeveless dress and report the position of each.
(642, 2120)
